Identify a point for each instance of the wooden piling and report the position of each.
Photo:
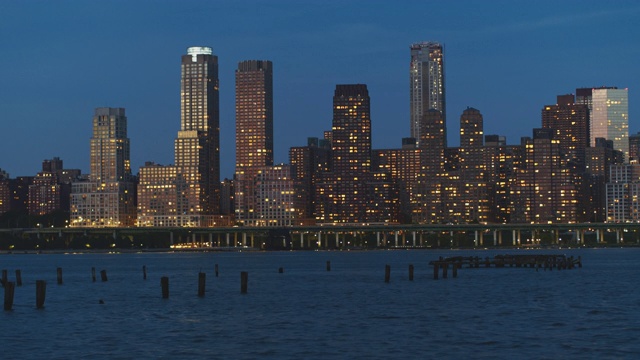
(59, 272)
(436, 268)
(18, 278)
(201, 283)
(103, 275)
(5, 277)
(41, 290)
(216, 270)
(328, 265)
(244, 279)
(144, 272)
(411, 272)
(9, 288)
(93, 274)
(387, 273)
(164, 283)
(445, 267)
(455, 270)
(280, 270)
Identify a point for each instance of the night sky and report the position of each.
(59, 60)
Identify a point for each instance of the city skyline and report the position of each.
(508, 66)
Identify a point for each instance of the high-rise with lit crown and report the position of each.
(188, 193)
(426, 83)
(197, 148)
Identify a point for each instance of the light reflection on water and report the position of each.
(307, 312)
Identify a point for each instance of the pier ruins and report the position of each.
(535, 261)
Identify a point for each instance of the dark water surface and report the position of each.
(309, 313)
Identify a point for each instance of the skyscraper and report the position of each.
(197, 148)
(343, 193)
(254, 135)
(426, 80)
(108, 198)
(254, 114)
(609, 115)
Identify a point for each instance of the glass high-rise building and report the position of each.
(609, 115)
(426, 83)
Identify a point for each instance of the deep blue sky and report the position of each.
(61, 59)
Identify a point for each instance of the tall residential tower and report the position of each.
(197, 148)
(254, 136)
(254, 114)
(188, 193)
(343, 194)
(426, 83)
(108, 198)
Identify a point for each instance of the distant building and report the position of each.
(544, 191)
(19, 188)
(426, 83)
(598, 160)
(51, 188)
(275, 198)
(402, 168)
(227, 195)
(308, 164)
(570, 122)
(108, 198)
(5, 192)
(502, 162)
(623, 193)
(161, 197)
(634, 148)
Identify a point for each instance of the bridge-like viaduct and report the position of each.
(348, 235)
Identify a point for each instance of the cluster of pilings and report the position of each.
(536, 261)
(9, 286)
